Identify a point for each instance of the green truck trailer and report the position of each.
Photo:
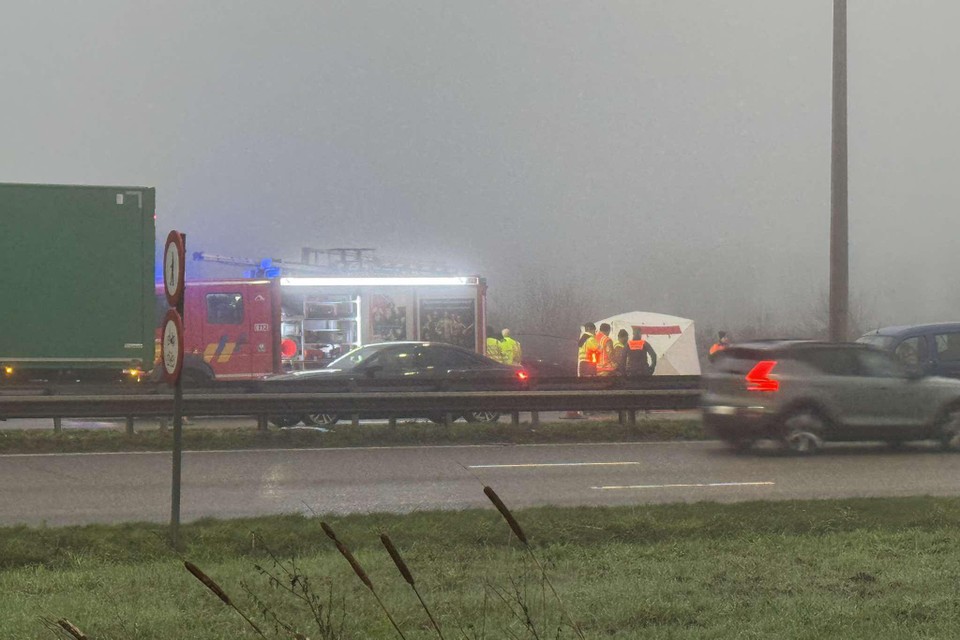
(77, 281)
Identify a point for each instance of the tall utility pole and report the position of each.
(839, 240)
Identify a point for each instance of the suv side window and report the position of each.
(395, 360)
(441, 357)
(834, 362)
(875, 364)
(912, 353)
(948, 347)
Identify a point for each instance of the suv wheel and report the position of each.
(803, 433)
(949, 430)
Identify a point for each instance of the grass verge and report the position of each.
(865, 568)
(345, 435)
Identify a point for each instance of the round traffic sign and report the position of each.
(171, 347)
(174, 259)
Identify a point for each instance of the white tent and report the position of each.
(671, 337)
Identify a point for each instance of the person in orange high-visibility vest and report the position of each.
(606, 366)
(723, 341)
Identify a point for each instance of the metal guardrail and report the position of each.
(382, 403)
(356, 385)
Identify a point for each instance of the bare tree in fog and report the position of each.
(544, 310)
(808, 320)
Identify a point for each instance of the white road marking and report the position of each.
(550, 464)
(685, 486)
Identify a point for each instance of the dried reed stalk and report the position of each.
(408, 576)
(364, 578)
(210, 584)
(72, 629)
(521, 536)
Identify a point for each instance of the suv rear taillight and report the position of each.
(759, 377)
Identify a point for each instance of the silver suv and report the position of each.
(802, 393)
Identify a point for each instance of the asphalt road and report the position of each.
(59, 489)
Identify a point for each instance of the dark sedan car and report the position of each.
(407, 366)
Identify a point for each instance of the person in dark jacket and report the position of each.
(640, 359)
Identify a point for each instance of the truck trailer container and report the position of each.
(77, 276)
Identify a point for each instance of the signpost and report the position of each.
(172, 346)
(174, 257)
(174, 264)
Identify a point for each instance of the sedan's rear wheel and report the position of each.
(482, 416)
(803, 433)
(949, 431)
(321, 419)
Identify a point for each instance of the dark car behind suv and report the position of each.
(931, 349)
(802, 393)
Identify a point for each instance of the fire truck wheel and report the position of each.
(320, 419)
(482, 416)
(284, 421)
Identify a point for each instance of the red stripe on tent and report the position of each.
(670, 330)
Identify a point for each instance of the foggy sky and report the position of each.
(673, 154)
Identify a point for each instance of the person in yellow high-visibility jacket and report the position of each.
(510, 351)
(493, 345)
(587, 351)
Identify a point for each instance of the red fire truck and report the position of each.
(245, 329)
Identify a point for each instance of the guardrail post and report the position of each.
(621, 419)
(515, 418)
(393, 422)
(535, 418)
(356, 420)
(262, 423)
(447, 419)
(57, 425)
(632, 417)
(129, 425)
